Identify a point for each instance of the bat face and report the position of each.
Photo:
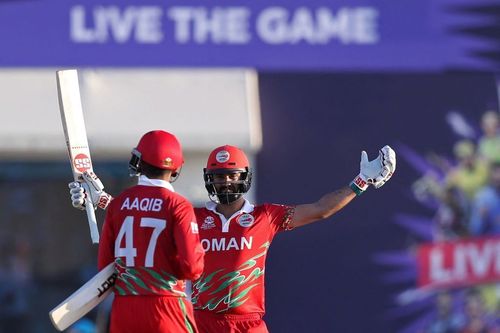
(70, 106)
(82, 163)
(106, 285)
(84, 299)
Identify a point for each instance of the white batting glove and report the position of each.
(77, 195)
(376, 172)
(96, 191)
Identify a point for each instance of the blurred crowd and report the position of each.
(37, 227)
(464, 312)
(466, 192)
(15, 287)
(467, 188)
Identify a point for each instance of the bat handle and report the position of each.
(89, 207)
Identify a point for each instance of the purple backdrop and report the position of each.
(269, 35)
(323, 278)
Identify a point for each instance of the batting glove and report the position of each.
(77, 195)
(96, 191)
(376, 172)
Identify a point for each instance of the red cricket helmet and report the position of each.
(159, 149)
(226, 160)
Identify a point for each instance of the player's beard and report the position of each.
(227, 195)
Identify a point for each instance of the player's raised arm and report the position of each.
(375, 172)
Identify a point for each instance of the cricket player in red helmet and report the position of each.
(236, 234)
(150, 232)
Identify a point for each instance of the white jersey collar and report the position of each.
(247, 207)
(145, 181)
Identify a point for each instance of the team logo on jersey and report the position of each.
(245, 220)
(222, 156)
(208, 223)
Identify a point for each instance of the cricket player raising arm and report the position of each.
(236, 234)
(150, 232)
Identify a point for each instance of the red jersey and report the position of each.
(152, 234)
(235, 255)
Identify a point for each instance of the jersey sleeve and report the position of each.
(280, 216)
(190, 253)
(106, 243)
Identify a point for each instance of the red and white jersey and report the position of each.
(235, 255)
(151, 234)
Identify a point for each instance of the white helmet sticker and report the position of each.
(222, 156)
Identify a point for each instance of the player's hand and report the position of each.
(376, 172)
(95, 191)
(97, 194)
(77, 195)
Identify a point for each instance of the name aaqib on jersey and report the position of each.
(226, 244)
(143, 204)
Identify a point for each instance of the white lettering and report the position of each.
(232, 244)
(365, 26)
(181, 17)
(437, 271)
(144, 205)
(120, 26)
(218, 245)
(246, 242)
(78, 31)
(460, 267)
(126, 204)
(218, 25)
(207, 26)
(465, 262)
(237, 26)
(157, 205)
(135, 204)
(149, 25)
(276, 25)
(330, 26)
(224, 25)
(271, 25)
(224, 244)
(480, 260)
(302, 26)
(141, 24)
(205, 243)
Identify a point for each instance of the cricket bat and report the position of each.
(70, 105)
(84, 299)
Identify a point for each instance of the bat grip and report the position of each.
(89, 208)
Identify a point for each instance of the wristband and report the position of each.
(104, 200)
(358, 185)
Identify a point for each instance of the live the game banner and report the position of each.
(273, 34)
(459, 263)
